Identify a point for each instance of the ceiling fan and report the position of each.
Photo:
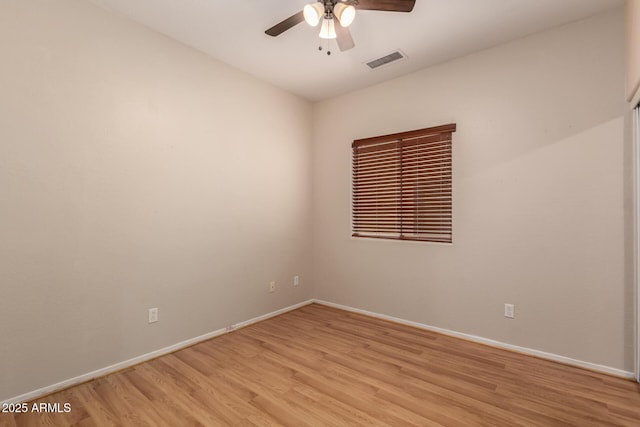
(326, 12)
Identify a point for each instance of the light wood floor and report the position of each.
(325, 367)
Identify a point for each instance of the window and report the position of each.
(402, 185)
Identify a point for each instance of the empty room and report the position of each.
(333, 213)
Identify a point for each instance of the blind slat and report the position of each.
(437, 176)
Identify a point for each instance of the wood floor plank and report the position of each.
(320, 366)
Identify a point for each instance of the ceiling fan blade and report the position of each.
(386, 5)
(283, 26)
(344, 39)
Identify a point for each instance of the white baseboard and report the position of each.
(529, 351)
(152, 355)
(144, 357)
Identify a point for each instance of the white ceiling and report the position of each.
(436, 31)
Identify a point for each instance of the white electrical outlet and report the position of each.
(509, 311)
(272, 286)
(153, 315)
(296, 280)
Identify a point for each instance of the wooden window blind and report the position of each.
(402, 185)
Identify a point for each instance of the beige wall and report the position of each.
(539, 197)
(136, 173)
(632, 28)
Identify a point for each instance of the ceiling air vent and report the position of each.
(385, 60)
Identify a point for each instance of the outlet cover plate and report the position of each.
(153, 315)
(509, 311)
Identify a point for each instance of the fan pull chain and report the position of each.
(328, 47)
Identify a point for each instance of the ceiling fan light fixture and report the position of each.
(313, 13)
(345, 14)
(328, 29)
